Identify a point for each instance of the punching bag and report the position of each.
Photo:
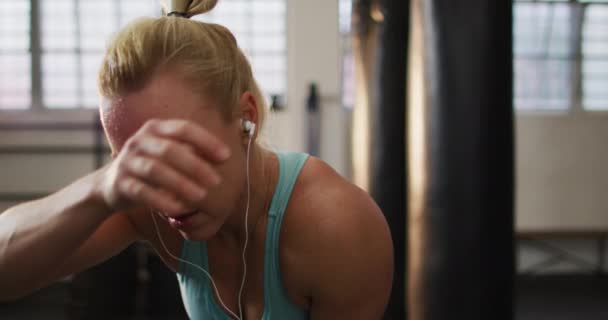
(379, 150)
(388, 154)
(460, 125)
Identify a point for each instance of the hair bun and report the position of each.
(187, 8)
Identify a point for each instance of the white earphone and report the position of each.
(249, 128)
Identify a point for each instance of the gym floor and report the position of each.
(560, 297)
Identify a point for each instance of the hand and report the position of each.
(166, 165)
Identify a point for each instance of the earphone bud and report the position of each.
(248, 127)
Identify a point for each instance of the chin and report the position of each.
(200, 233)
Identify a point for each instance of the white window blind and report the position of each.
(260, 31)
(595, 57)
(15, 59)
(544, 53)
(561, 54)
(74, 34)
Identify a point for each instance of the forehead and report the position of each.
(164, 97)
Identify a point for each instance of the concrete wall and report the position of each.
(43, 173)
(561, 171)
(314, 56)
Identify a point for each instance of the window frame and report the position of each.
(37, 112)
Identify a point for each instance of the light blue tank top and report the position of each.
(196, 289)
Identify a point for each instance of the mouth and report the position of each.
(183, 220)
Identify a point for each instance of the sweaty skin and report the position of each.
(169, 146)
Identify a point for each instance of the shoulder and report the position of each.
(338, 235)
(325, 201)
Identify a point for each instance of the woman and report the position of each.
(251, 234)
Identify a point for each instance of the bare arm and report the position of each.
(165, 166)
(38, 236)
(353, 279)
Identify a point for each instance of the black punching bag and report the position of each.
(388, 152)
(461, 261)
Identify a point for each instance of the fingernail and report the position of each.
(223, 153)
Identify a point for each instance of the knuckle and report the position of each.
(151, 124)
(136, 188)
(132, 144)
(172, 127)
(127, 185)
(151, 168)
(148, 167)
(165, 148)
(123, 166)
(181, 127)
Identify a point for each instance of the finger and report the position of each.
(137, 191)
(164, 177)
(188, 209)
(202, 140)
(181, 157)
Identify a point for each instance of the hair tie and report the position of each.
(177, 14)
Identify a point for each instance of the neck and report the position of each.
(262, 175)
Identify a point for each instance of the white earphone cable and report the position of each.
(240, 316)
(193, 265)
(246, 231)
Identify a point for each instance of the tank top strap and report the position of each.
(290, 165)
(277, 303)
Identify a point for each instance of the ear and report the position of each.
(249, 107)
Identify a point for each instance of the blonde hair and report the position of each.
(205, 54)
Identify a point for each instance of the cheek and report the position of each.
(226, 195)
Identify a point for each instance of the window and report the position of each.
(15, 72)
(544, 55)
(73, 34)
(595, 57)
(260, 29)
(561, 55)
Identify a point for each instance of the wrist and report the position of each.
(94, 198)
